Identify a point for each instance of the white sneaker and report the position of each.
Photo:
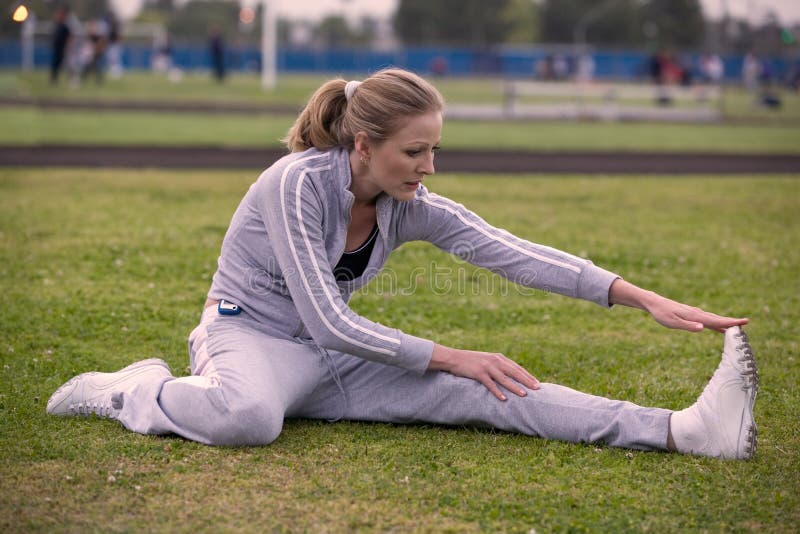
(99, 393)
(720, 424)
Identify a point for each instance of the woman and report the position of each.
(277, 338)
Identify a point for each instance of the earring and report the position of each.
(364, 162)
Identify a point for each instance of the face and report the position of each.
(398, 164)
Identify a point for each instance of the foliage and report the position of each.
(44, 10)
(470, 22)
(614, 22)
(663, 23)
(522, 19)
(679, 23)
(611, 22)
(194, 20)
(103, 267)
(335, 30)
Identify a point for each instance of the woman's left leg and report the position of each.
(377, 392)
(720, 424)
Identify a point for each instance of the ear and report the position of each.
(362, 145)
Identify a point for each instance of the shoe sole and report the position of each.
(144, 363)
(750, 375)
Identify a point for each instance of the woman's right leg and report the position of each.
(243, 382)
(242, 385)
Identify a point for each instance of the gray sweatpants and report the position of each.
(245, 382)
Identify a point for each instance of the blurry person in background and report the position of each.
(162, 58)
(94, 50)
(751, 70)
(712, 68)
(584, 69)
(216, 47)
(61, 39)
(113, 47)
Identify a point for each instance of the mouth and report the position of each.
(412, 185)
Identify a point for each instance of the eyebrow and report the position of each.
(422, 143)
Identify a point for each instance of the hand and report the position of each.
(489, 368)
(676, 315)
(668, 312)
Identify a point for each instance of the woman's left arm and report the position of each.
(668, 312)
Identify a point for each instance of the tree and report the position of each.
(44, 10)
(680, 23)
(193, 21)
(334, 31)
(611, 22)
(522, 19)
(473, 22)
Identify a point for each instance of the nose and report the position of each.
(426, 165)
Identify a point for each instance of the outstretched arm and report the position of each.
(494, 370)
(668, 312)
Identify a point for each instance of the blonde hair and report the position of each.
(379, 106)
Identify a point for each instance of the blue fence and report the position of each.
(451, 61)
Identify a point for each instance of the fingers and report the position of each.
(681, 316)
(691, 326)
(521, 375)
(492, 387)
(696, 316)
(509, 375)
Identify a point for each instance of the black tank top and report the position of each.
(354, 263)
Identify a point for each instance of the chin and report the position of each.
(405, 195)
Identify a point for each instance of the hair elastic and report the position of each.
(350, 89)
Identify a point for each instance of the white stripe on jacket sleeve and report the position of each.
(500, 238)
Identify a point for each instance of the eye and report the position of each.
(417, 151)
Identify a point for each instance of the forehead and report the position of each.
(424, 128)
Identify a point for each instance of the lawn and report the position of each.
(29, 125)
(100, 268)
(294, 89)
(775, 133)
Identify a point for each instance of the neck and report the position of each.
(364, 192)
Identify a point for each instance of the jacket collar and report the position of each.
(343, 174)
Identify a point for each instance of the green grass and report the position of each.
(30, 125)
(771, 133)
(294, 89)
(100, 268)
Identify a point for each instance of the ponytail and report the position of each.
(319, 124)
(378, 106)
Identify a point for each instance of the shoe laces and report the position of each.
(88, 408)
(747, 359)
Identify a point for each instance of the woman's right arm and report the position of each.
(489, 368)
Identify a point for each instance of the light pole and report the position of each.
(269, 39)
(579, 34)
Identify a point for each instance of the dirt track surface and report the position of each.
(461, 161)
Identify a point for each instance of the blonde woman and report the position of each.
(277, 338)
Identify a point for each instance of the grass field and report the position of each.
(100, 268)
(25, 125)
(294, 89)
(29, 125)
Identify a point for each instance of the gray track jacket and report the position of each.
(289, 232)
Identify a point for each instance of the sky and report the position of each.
(788, 11)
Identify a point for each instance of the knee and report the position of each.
(249, 424)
